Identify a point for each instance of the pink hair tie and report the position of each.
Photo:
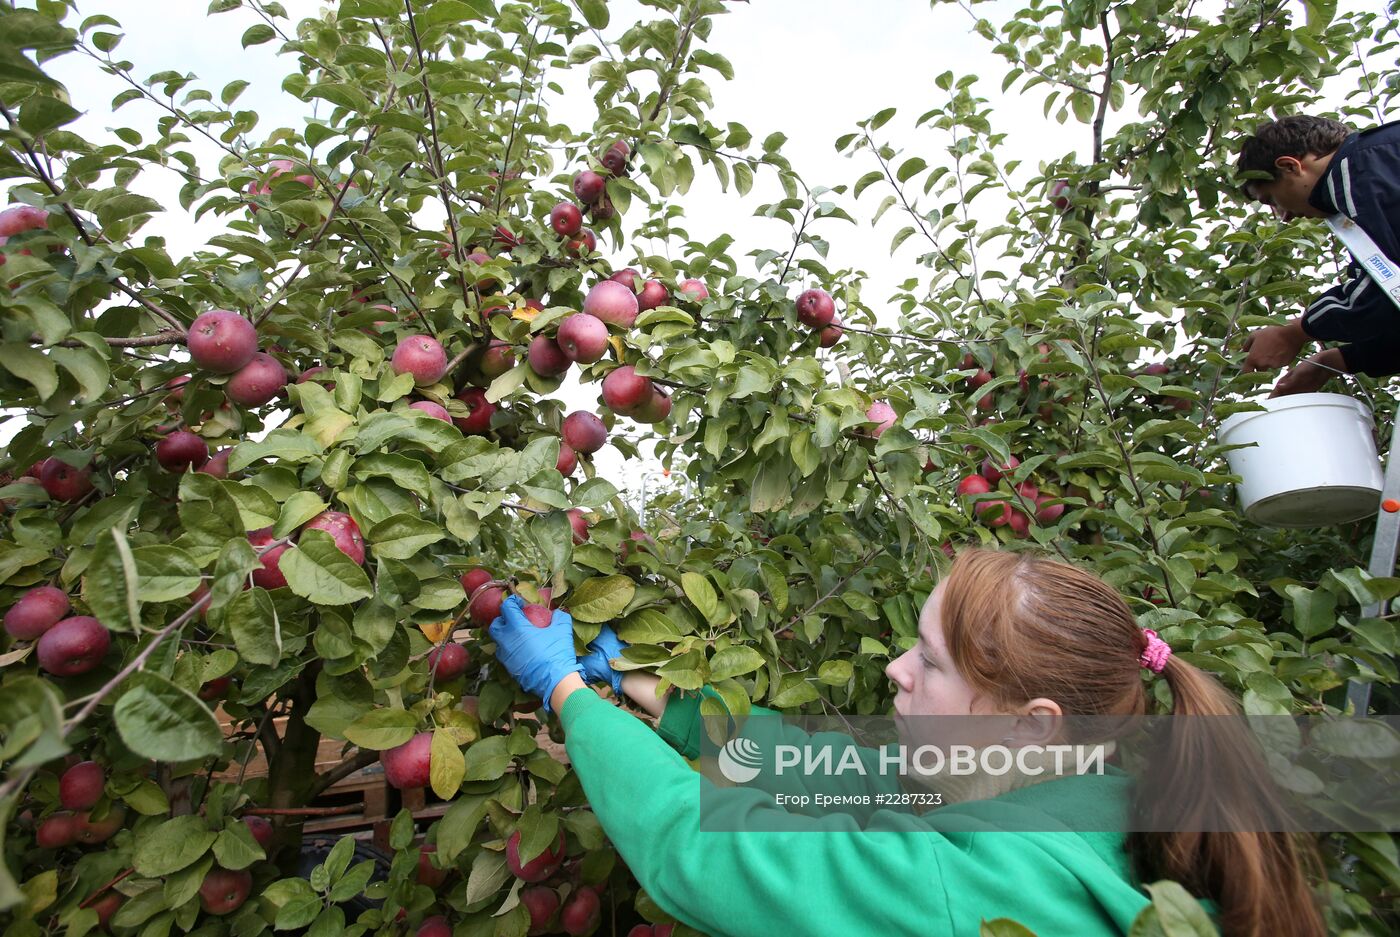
(1154, 657)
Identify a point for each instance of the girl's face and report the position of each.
(929, 684)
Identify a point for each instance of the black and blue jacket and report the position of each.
(1362, 182)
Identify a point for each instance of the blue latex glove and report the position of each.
(602, 649)
(538, 658)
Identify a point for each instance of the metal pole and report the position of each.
(1383, 547)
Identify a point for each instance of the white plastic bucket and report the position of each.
(1314, 461)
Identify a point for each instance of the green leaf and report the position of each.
(257, 632)
(487, 759)
(601, 599)
(595, 12)
(457, 828)
(319, 572)
(159, 720)
(258, 34)
(793, 690)
(381, 729)
(1314, 610)
(301, 507)
(235, 847)
(28, 364)
(165, 573)
(172, 846)
(734, 661)
(1178, 913)
(911, 168)
(702, 595)
(402, 537)
(594, 493)
(41, 113)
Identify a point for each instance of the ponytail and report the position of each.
(1259, 880)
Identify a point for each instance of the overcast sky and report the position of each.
(807, 68)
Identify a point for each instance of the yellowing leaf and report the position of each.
(437, 630)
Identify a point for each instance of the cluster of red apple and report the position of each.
(816, 310)
(67, 646)
(590, 187)
(1000, 512)
(224, 342)
(342, 528)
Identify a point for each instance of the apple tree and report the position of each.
(288, 475)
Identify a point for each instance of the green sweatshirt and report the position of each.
(823, 874)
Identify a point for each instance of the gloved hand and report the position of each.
(601, 650)
(538, 658)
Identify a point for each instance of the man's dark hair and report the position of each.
(1296, 136)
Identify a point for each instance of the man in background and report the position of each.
(1320, 167)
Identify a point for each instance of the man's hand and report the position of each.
(1311, 373)
(1274, 346)
(596, 664)
(538, 658)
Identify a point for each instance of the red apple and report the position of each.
(262, 830)
(584, 432)
(830, 335)
(653, 410)
(583, 338)
(346, 532)
(815, 309)
(993, 473)
(224, 890)
(20, 218)
(435, 926)
(105, 907)
(1059, 195)
(270, 576)
(546, 358)
(614, 158)
(63, 482)
(585, 242)
(313, 374)
(37, 611)
(56, 831)
(423, 357)
(434, 410)
(474, 579)
(541, 902)
(91, 832)
(602, 210)
(73, 646)
(625, 389)
(218, 463)
(80, 787)
(613, 303)
(540, 867)
(983, 376)
(589, 186)
(222, 341)
(974, 485)
(498, 358)
(181, 450)
(566, 219)
(567, 461)
(177, 391)
(694, 290)
(429, 874)
(627, 277)
(994, 513)
(449, 661)
(215, 689)
(653, 294)
(1048, 513)
(539, 615)
(485, 605)
(881, 414)
(257, 382)
(479, 412)
(505, 238)
(407, 765)
(581, 913)
(580, 525)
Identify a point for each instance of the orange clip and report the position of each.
(1390, 505)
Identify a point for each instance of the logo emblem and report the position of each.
(739, 760)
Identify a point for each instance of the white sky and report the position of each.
(807, 68)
